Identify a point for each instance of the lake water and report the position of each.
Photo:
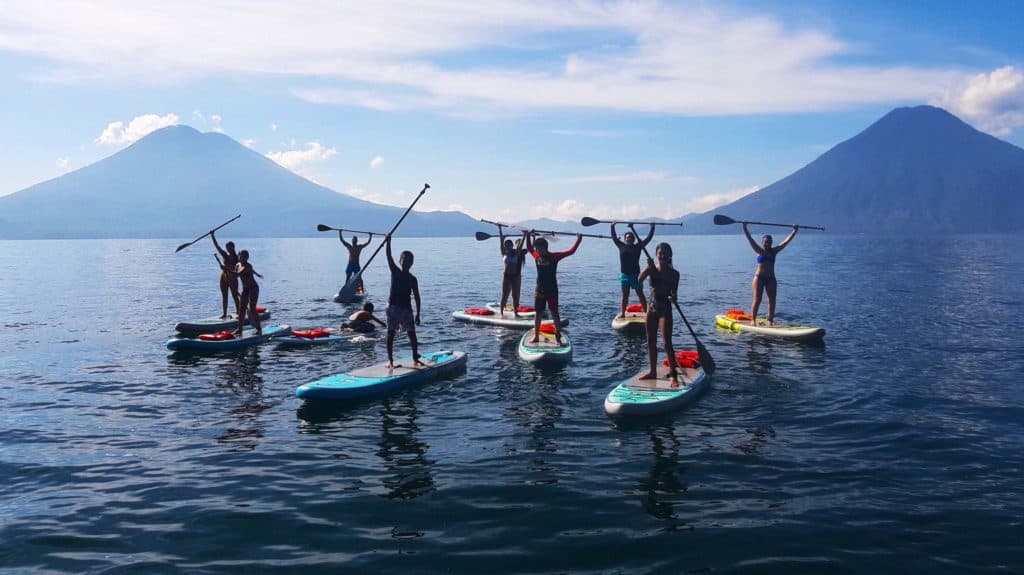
(895, 447)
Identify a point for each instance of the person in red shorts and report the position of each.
(546, 295)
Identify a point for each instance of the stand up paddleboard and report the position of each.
(546, 350)
(356, 297)
(224, 341)
(640, 397)
(524, 311)
(217, 323)
(634, 321)
(737, 320)
(379, 379)
(321, 336)
(490, 317)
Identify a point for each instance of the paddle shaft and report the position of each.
(348, 290)
(554, 233)
(705, 356)
(330, 229)
(593, 221)
(726, 220)
(187, 244)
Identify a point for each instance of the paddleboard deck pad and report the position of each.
(524, 311)
(358, 296)
(641, 397)
(633, 321)
(301, 338)
(247, 339)
(508, 321)
(780, 331)
(379, 379)
(546, 350)
(215, 323)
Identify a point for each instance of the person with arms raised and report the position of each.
(764, 275)
(404, 287)
(355, 249)
(513, 257)
(546, 295)
(228, 281)
(629, 265)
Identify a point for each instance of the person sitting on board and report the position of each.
(250, 295)
(513, 257)
(228, 282)
(764, 275)
(362, 320)
(546, 294)
(629, 265)
(664, 285)
(399, 312)
(355, 249)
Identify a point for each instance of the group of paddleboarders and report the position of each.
(235, 267)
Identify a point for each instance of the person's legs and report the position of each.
(756, 287)
(651, 325)
(771, 288)
(670, 350)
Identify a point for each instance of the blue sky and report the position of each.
(509, 109)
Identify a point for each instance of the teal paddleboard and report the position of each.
(639, 397)
(248, 338)
(546, 350)
(379, 379)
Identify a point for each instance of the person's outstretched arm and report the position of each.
(615, 237)
(788, 239)
(750, 238)
(341, 237)
(650, 236)
(391, 259)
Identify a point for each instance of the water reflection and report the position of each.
(662, 482)
(403, 452)
(240, 375)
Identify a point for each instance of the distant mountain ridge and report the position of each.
(918, 170)
(177, 182)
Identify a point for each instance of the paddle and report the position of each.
(587, 222)
(187, 244)
(721, 220)
(323, 228)
(481, 236)
(706, 361)
(346, 293)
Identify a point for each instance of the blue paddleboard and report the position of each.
(379, 379)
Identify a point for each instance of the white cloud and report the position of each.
(993, 102)
(712, 201)
(302, 161)
(117, 133)
(661, 57)
(63, 163)
(273, 127)
(375, 197)
(376, 162)
(209, 122)
(628, 178)
(593, 133)
(248, 142)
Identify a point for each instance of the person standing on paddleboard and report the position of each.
(250, 295)
(399, 312)
(513, 256)
(664, 286)
(228, 282)
(355, 249)
(629, 265)
(546, 294)
(764, 275)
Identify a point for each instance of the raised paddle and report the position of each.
(587, 222)
(323, 228)
(187, 244)
(348, 291)
(481, 236)
(706, 361)
(721, 220)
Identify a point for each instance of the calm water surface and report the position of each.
(894, 447)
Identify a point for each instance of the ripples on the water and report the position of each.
(894, 447)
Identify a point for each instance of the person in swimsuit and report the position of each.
(629, 265)
(355, 249)
(362, 320)
(546, 295)
(764, 276)
(250, 295)
(399, 312)
(664, 286)
(513, 256)
(228, 282)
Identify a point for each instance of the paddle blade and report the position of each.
(183, 246)
(721, 220)
(587, 221)
(706, 361)
(481, 236)
(323, 228)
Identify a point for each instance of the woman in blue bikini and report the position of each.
(764, 276)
